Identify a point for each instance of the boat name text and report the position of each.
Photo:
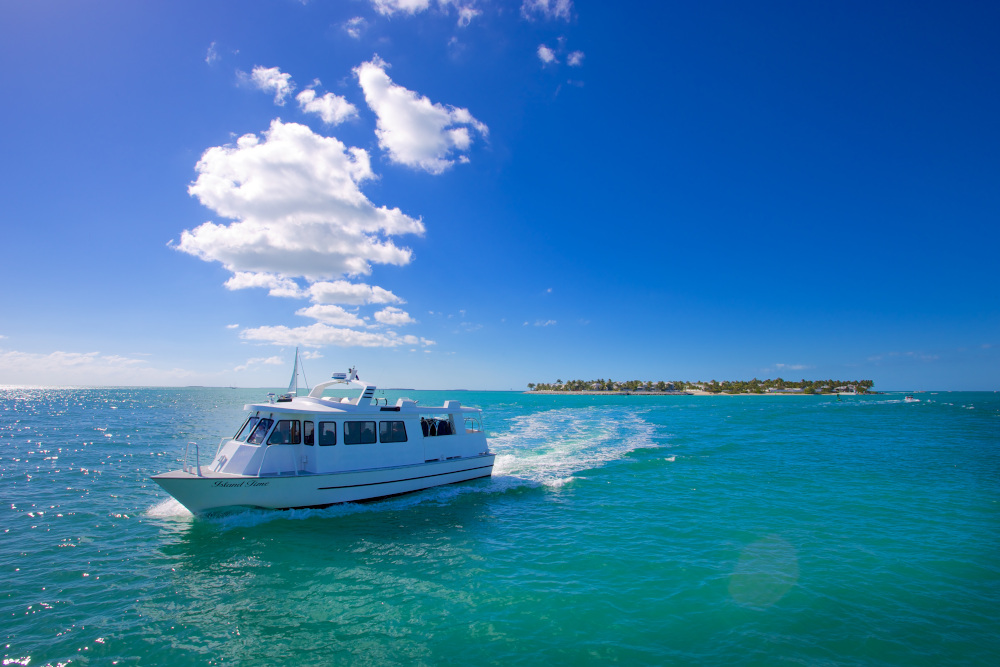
(245, 482)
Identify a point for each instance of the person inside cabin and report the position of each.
(423, 425)
(281, 434)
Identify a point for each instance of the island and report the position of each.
(678, 387)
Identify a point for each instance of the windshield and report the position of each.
(257, 437)
(247, 427)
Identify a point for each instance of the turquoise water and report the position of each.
(638, 530)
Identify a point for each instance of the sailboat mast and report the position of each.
(293, 385)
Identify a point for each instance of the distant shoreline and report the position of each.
(686, 392)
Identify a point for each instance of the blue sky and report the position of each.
(481, 194)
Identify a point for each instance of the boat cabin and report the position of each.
(316, 434)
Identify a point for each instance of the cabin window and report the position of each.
(359, 433)
(287, 432)
(327, 433)
(432, 426)
(308, 434)
(259, 431)
(394, 431)
(247, 427)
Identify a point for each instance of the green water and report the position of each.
(636, 530)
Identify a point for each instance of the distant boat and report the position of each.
(911, 399)
(293, 385)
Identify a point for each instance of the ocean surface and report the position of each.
(641, 530)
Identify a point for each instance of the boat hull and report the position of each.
(213, 491)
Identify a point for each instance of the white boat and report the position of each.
(313, 451)
(911, 399)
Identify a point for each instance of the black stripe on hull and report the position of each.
(408, 479)
(388, 495)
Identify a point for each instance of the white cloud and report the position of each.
(329, 314)
(212, 56)
(71, 359)
(355, 26)
(258, 361)
(546, 55)
(333, 109)
(412, 129)
(549, 9)
(549, 55)
(232, 326)
(390, 7)
(297, 208)
(465, 9)
(395, 317)
(545, 323)
(341, 291)
(272, 79)
(82, 368)
(466, 14)
(277, 285)
(455, 48)
(318, 335)
(792, 367)
(922, 356)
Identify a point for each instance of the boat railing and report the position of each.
(472, 425)
(262, 460)
(197, 459)
(271, 452)
(222, 441)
